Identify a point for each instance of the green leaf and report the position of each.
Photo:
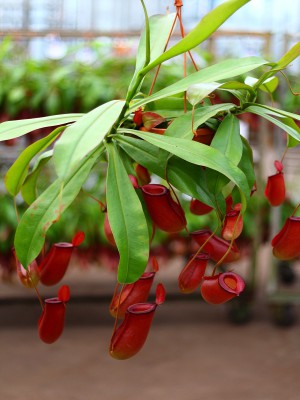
(265, 113)
(197, 92)
(17, 173)
(182, 126)
(288, 57)
(196, 153)
(276, 112)
(14, 129)
(46, 210)
(269, 85)
(209, 24)
(127, 161)
(238, 89)
(144, 153)
(28, 189)
(189, 179)
(222, 70)
(228, 140)
(246, 163)
(216, 182)
(83, 136)
(127, 220)
(169, 106)
(285, 60)
(235, 85)
(199, 154)
(160, 26)
(291, 141)
(186, 177)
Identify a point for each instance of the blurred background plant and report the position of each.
(32, 87)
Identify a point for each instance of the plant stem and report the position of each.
(284, 154)
(140, 76)
(230, 246)
(38, 294)
(202, 246)
(16, 210)
(296, 209)
(130, 94)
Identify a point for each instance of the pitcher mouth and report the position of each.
(233, 213)
(231, 282)
(147, 275)
(142, 308)
(200, 232)
(154, 189)
(53, 300)
(63, 244)
(200, 256)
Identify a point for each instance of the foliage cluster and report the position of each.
(108, 134)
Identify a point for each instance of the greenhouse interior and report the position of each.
(138, 258)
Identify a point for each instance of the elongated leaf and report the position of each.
(144, 153)
(127, 161)
(276, 112)
(182, 126)
(32, 229)
(238, 89)
(17, 173)
(291, 141)
(127, 220)
(159, 29)
(288, 57)
(209, 24)
(228, 140)
(263, 112)
(216, 182)
(222, 70)
(197, 92)
(169, 106)
(83, 136)
(28, 190)
(189, 179)
(14, 129)
(186, 177)
(196, 153)
(246, 163)
(199, 154)
(236, 85)
(269, 85)
(160, 26)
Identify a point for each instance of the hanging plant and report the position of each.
(217, 172)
